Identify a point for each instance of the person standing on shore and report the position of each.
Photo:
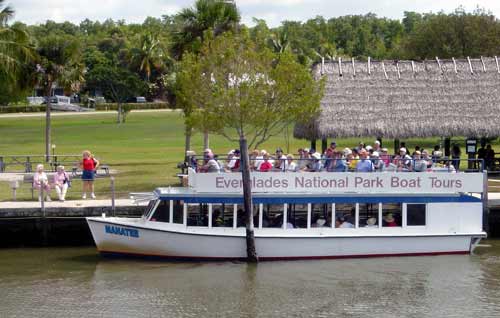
(88, 164)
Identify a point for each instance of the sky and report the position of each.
(272, 11)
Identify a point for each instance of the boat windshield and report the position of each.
(149, 208)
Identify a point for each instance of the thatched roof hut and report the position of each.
(401, 99)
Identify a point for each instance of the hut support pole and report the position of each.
(313, 144)
(380, 140)
(447, 145)
(324, 144)
(396, 146)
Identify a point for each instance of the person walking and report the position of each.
(88, 164)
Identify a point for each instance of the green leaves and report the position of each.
(235, 87)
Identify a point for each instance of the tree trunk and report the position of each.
(247, 200)
(119, 119)
(206, 140)
(187, 145)
(47, 126)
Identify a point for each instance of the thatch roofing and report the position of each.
(401, 99)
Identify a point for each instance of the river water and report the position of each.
(77, 282)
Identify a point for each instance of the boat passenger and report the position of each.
(376, 146)
(253, 158)
(338, 164)
(266, 166)
(303, 159)
(280, 162)
(371, 222)
(378, 165)
(353, 159)
(389, 220)
(418, 165)
(290, 165)
(405, 158)
(427, 159)
(344, 223)
(217, 220)
(365, 164)
(234, 160)
(320, 222)
(385, 157)
(317, 166)
(210, 164)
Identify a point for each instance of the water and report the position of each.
(76, 282)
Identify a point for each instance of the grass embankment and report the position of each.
(144, 151)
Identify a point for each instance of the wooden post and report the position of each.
(397, 68)
(313, 144)
(447, 146)
(353, 67)
(396, 146)
(439, 64)
(383, 68)
(454, 65)
(413, 66)
(322, 65)
(470, 65)
(484, 196)
(324, 144)
(369, 65)
(484, 65)
(498, 66)
(113, 208)
(340, 66)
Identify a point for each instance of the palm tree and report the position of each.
(150, 55)
(59, 63)
(15, 48)
(217, 16)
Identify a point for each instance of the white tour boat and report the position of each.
(304, 216)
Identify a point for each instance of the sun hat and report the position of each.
(371, 221)
(375, 154)
(388, 217)
(402, 150)
(368, 148)
(231, 152)
(347, 151)
(384, 150)
(377, 142)
(208, 150)
(316, 155)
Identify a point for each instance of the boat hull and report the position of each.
(139, 239)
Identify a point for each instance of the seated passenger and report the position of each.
(389, 220)
(385, 157)
(371, 222)
(217, 220)
(290, 165)
(365, 164)
(280, 162)
(266, 165)
(317, 166)
(418, 165)
(344, 223)
(338, 164)
(210, 164)
(378, 165)
(320, 222)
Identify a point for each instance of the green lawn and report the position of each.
(144, 151)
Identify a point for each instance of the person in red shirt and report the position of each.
(266, 165)
(88, 164)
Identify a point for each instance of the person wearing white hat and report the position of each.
(316, 164)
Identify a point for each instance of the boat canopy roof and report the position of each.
(188, 195)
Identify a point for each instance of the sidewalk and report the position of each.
(57, 114)
(68, 204)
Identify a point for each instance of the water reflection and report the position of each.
(76, 282)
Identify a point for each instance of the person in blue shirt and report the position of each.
(364, 164)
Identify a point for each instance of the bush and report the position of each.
(22, 109)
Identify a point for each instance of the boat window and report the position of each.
(345, 215)
(392, 214)
(178, 211)
(368, 215)
(297, 215)
(321, 215)
(197, 214)
(162, 212)
(273, 215)
(149, 208)
(415, 214)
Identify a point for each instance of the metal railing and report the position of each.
(383, 164)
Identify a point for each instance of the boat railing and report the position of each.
(382, 164)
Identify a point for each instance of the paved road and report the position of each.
(57, 114)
